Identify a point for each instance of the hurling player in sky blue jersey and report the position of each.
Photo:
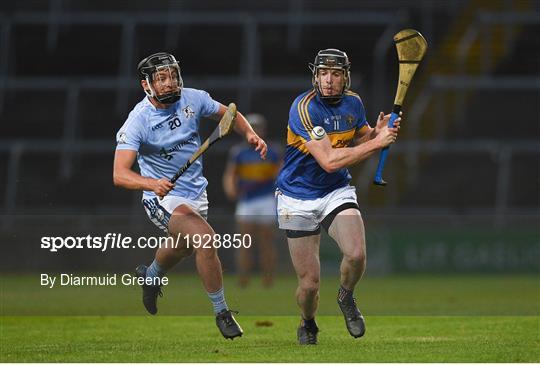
(327, 132)
(161, 133)
(251, 182)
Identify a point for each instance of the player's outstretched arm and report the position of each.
(332, 159)
(125, 177)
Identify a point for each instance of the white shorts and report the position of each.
(307, 215)
(160, 210)
(257, 210)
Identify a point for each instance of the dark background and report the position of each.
(467, 159)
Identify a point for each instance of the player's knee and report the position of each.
(184, 216)
(356, 256)
(310, 285)
(310, 289)
(184, 251)
(182, 210)
(206, 252)
(178, 247)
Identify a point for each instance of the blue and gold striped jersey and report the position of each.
(255, 177)
(301, 176)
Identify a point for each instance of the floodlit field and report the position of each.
(411, 318)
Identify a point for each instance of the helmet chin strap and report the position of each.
(331, 99)
(169, 98)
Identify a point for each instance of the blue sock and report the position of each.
(155, 271)
(218, 301)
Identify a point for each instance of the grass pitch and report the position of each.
(409, 319)
(194, 339)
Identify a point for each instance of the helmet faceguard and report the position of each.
(333, 59)
(163, 69)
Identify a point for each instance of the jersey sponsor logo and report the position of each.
(341, 143)
(188, 112)
(183, 143)
(168, 153)
(165, 154)
(342, 139)
(122, 138)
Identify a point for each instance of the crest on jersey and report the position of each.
(350, 120)
(122, 138)
(188, 112)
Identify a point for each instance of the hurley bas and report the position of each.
(107, 280)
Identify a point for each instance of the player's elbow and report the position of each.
(117, 179)
(328, 165)
(331, 169)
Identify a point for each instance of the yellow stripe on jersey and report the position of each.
(257, 171)
(308, 121)
(365, 129)
(341, 139)
(296, 141)
(300, 111)
(337, 139)
(303, 111)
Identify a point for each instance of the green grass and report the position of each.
(460, 318)
(195, 339)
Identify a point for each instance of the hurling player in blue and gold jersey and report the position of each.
(327, 132)
(251, 181)
(161, 133)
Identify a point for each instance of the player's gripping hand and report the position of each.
(387, 136)
(259, 143)
(382, 121)
(161, 187)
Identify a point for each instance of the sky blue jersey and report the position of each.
(301, 176)
(165, 139)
